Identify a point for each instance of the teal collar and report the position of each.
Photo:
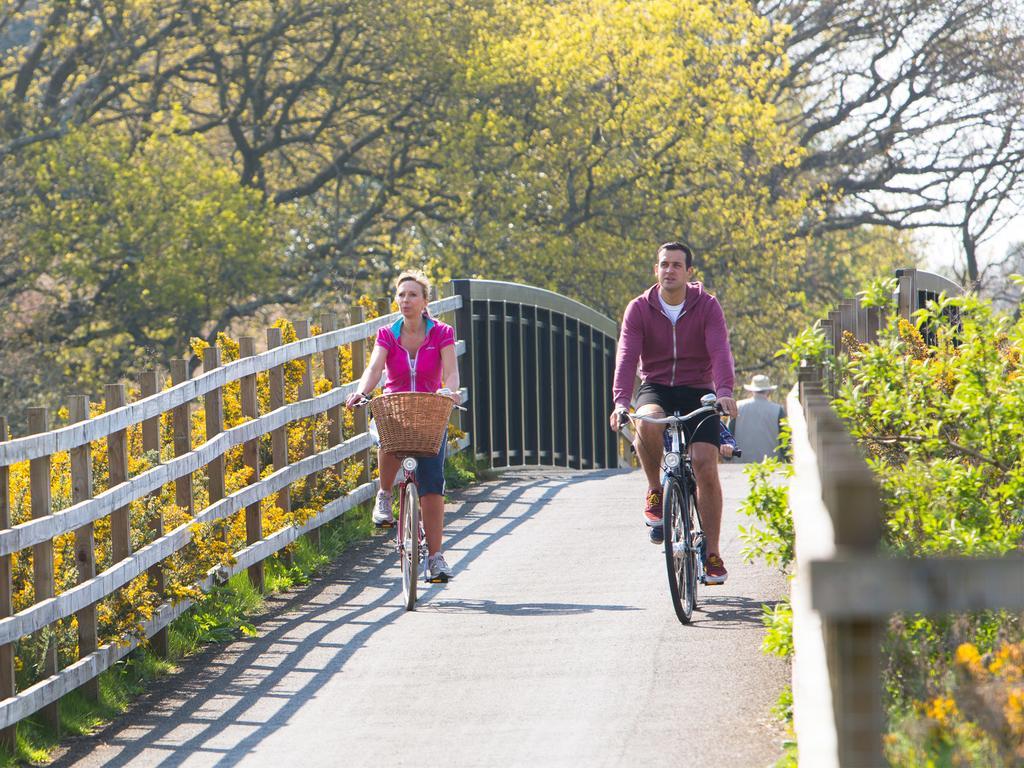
(396, 327)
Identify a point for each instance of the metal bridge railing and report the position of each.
(541, 366)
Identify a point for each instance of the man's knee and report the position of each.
(705, 460)
(646, 429)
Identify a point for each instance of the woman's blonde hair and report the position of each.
(416, 276)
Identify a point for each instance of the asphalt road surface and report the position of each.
(554, 645)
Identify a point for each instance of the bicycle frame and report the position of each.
(683, 472)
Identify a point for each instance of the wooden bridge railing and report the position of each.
(844, 589)
(87, 507)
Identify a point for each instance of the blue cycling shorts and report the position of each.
(430, 470)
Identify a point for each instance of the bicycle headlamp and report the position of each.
(671, 460)
(409, 464)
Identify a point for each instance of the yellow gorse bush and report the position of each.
(988, 698)
(121, 615)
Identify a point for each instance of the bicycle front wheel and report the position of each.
(410, 544)
(680, 554)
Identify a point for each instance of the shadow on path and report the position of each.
(728, 613)
(521, 609)
(182, 716)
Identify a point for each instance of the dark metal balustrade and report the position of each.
(540, 368)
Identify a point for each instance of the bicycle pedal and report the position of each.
(383, 528)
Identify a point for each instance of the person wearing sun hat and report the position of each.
(756, 426)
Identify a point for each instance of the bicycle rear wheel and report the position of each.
(680, 554)
(409, 548)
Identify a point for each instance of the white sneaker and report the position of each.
(438, 570)
(382, 514)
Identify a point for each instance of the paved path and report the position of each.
(555, 645)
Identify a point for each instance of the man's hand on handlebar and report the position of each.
(619, 418)
(728, 406)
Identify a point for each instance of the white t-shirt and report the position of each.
(672, 310)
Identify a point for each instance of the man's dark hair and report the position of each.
(677, 246)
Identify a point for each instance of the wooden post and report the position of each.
(358, 315)
(875, 320)
(117, 456)
(8, 736)
(85, 542)
(279, 436)
(213, 405)
(332, 372)
(848, 316)
(303, 331)
(853, 646)
(456, 418)
(149, 384)
(182, 439)
(42, 554)
(251, 457)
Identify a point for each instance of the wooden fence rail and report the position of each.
(844, 590)
(87, 507)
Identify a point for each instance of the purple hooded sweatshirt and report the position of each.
(693, 353)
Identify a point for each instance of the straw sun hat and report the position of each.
(759, 383)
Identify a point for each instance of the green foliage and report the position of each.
(879, 293)
(217, 618)
(584, 133)
(808, 346)
(158, 191)
(778, 622)
(783, 710)
(768, 503)
(942, 424)
(141, 243)
(938, 406)
(460, 470)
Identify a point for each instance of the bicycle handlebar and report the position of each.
(674, 419)
(625, 417)
(367, 398)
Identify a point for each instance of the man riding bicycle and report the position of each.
(677, 333)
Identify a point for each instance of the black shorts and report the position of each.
(682, 400)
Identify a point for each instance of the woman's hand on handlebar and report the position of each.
(356, 400)
(455, 396)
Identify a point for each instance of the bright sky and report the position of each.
(944, 246)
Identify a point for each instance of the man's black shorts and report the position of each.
(681, 400)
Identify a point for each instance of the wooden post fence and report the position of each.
(844, 590)
(88, 504)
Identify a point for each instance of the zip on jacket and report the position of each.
(682, 312)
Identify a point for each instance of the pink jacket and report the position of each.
(694, 353)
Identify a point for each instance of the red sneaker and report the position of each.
(714, 570)
(652, 512)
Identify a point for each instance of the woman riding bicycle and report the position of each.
(418, 354)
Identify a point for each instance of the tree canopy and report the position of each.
(167, 169)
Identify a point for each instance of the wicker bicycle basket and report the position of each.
(411, 423)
